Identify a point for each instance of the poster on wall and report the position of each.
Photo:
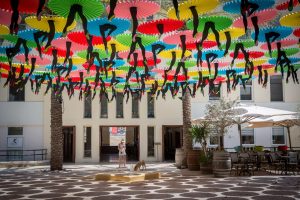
(14, 142)
(116, 134)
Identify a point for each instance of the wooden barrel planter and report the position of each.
(193, 160)
(179, 156)
(221, 164)
(206, 168)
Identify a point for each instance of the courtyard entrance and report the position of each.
(172, 139)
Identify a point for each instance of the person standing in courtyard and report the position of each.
(122, 153)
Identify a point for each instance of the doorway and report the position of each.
(69, 143)
(172, 139)
(110, 136)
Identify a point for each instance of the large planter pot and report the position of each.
(206, 168)
(221, 164)
(193, 160)
(179, 156)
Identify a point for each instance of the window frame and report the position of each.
(215, 97)
(243, 134)
(135, 102)
(247, 85)
(149, 98)
(16, 98)
(105, 114)
(121, 115)
(87, 153)
(148, 155)
(276, 80)
(87, 114)
(283, 134)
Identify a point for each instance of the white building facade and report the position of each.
(152, 128)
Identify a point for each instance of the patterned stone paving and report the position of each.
(39, 183)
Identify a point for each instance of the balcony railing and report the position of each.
(23, 155)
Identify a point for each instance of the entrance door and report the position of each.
(110, 136)
(172, 137)
(69, 144)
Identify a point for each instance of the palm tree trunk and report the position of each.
(56, 161)
(187, 123)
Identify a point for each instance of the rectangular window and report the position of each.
(135, 105)
(87, 139)
(248, 136)
(88, 107)
(119, 105)
(213, 140)
(215, 93)
(15, 131)
(276, 88)
(16, 94)
(15, 143)
(103, 107)
(150, 141)
(278, 135)
(150, 105)
(246, 93)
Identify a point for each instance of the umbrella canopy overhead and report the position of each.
(279, 120)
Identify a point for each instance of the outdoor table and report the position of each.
(245, 166)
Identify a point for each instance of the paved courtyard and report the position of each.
(40, 183)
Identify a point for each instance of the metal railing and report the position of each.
(23, 155)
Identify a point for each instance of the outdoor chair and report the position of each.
(235, 165)
(247, 164)
(273, 165)
(293, 162)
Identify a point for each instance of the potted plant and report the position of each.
(200, 134)
(220, 116)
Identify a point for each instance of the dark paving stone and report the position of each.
(145, 188)
(269, 197)
(218, 185)
(188, 186)
(226, 198)
(67, 190)
(24, 191)
(242, 194)
(10, 196)
(154, 196)
(49, 195)
(198, 194)
(246, 189)
(111, 197)
(210, 190)
(132, 192)
(253, 185)
(111, 189)
(276, 192)
(171, 191)
(66, 198)
(294, 188)
(87, 194)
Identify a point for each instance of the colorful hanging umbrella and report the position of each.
(28, 34)
(205, 45)
(221, 22)
(174, 37)
(160, 26)
(185, 13)
(234, 6)
(60, 52)
(291, 19)
(256, 62)
(150, 62)
(25, 6)
(118, 45)
(42, 25)
(126, 40)
(284, 43)
(248, 43)
(5, 18)
(80, 38)
(283, 31)
(91, 8)
(39, 61)
(263, 16)
(4, 30)
(102, 53)
(285, 5)
(252, 54)
(14, 38)
(168, 53)
(288, 51)
(124, 54)
(293, 60)
(61, 44)
(121, 25)
(234, 33)
(297, 32)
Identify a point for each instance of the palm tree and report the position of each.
(187, 124)
(56, 161)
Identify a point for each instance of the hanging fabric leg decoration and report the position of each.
(195, 20)
(175, 4)
(11, 52)
(81, 79)
(114, 80)
(36, 37)
(40, 8)
(160, 28)
(14, 27)
(200, 79)
(260, 78)
(210, 25)
(112, 6)
(271, 37)
(216, 70)
(68, 47)
(179, 65)
(265, 78)
(183, 45)
(229, 73)
(239, 46)
(247, 9)
(139, 41)
(54, 60)
(228, 42)
(256, 28)
(172, 61)
(69, 67)
(103, 29)
(114, 93)
(156, 49)
(76, 8)
(199, 54)
(133, 12)
(210, 57)
(112, 55)
(132, 69)
(49, 84)
(90, 48)
(132, 48)
(51, 34)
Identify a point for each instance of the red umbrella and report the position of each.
(160, 26)
(252, 54)
(80, 38)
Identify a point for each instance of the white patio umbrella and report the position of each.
(286, 121)
(245, 113)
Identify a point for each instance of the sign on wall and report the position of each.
(116, 134)
(14, 142)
